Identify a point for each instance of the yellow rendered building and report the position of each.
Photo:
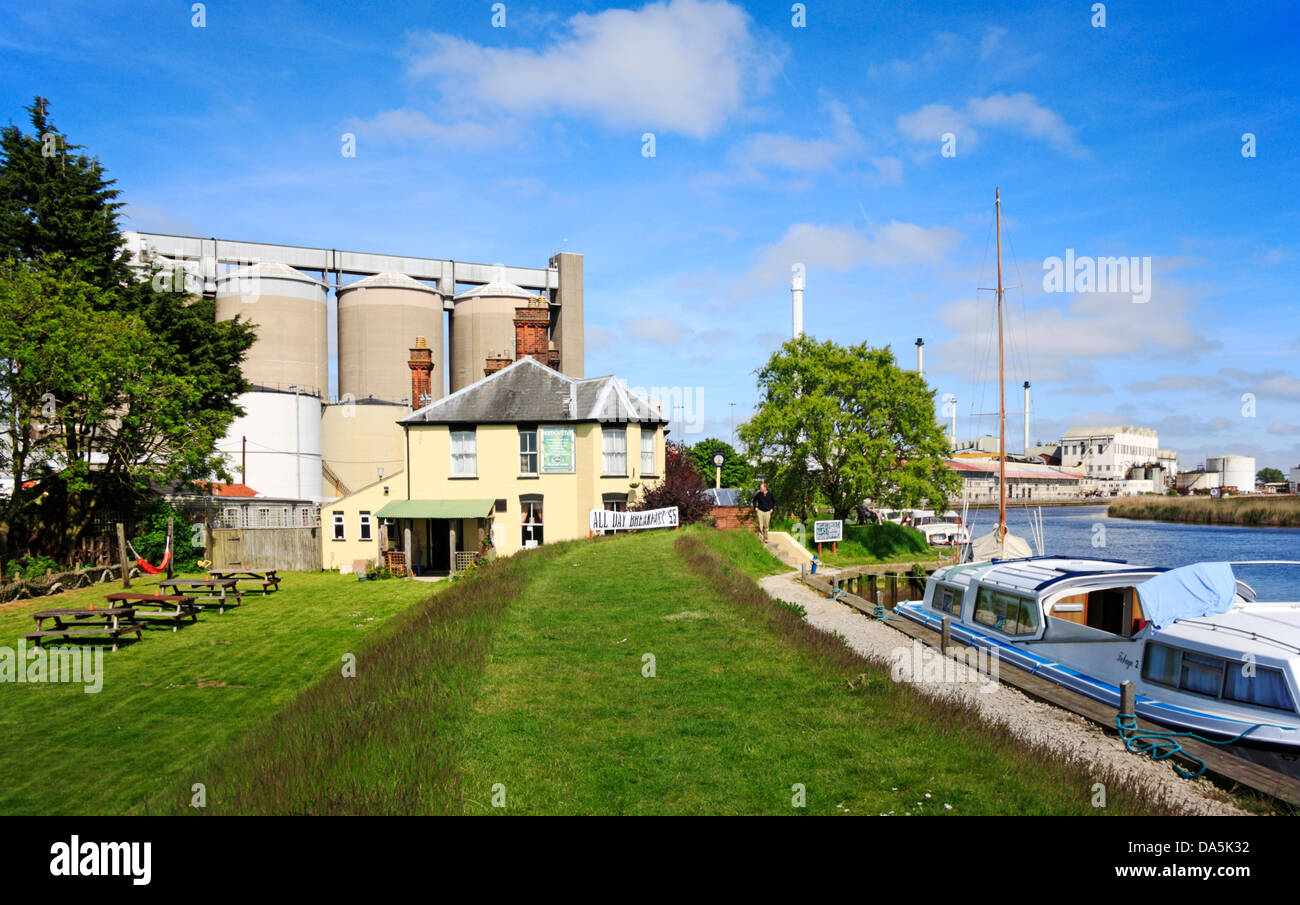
(516, 460)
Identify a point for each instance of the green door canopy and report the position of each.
(436, 509)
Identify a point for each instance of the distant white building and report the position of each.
(1109, 453)
(1167, 459)
(1294, 479)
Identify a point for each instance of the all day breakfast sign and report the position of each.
(610, 520)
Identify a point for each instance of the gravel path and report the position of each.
(1056, 729)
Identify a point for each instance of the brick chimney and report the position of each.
(531, 325)
(496, 363)
(421, 365)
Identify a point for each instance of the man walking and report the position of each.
(764, 502)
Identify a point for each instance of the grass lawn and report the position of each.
(746, 702)
(172, 698)
(528, 679)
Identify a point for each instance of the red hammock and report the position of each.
(146, 565)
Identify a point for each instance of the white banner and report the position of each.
(608, 519)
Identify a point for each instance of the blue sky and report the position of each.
(775, 145)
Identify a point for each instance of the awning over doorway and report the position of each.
(436, 509)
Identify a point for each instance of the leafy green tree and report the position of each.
(54, 201)
(1270, 476)
(847, 424)
(736, 470)
(143, 381)
(93, 415)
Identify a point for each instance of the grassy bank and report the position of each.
(746, 701)
(172, 699)
(1264, 511)
(868, 544)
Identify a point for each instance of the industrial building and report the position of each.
(1230, 473)
(298, 439)
(1025, 480)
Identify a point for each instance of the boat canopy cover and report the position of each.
(1201, 589)
(988, 547)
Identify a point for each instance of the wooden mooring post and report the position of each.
(1127, 698)
(121, 549)
(945, 635)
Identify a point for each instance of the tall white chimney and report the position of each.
(954, 422)
(920, 344)
(1026, 417)
(796, 305)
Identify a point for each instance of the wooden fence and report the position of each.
(287, 549)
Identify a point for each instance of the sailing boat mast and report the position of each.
(1002, 390)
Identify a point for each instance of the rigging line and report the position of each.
(1021, 347)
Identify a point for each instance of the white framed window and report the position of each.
(365, 526)
(614, 447)
(527, 451)
(339, 529)
(531, 526)
(464, 453)
(648, 451)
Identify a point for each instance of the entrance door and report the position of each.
(439, 545)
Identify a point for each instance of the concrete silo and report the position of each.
(483, 327)
(379, 316)
(360, 439)
(278, 438)
(289, 310)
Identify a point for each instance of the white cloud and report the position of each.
(1019, 112)
(992, 39)
(1064, 342)
(844, 248)
(659, 331)
(404, 125)
(683, 66)
(749, 160)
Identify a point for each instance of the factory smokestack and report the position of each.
(796, 305)
(1026, 417)
(920, 344)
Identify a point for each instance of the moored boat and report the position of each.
(1203, 654)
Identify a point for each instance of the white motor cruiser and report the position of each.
(1203, 654)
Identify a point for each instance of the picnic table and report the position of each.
(75, 623)
(267, 577)
(171, 608)
(221, 591)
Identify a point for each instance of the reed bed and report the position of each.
(1262, 511)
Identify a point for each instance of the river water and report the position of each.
(1087, 531)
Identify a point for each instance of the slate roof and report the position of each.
(527, 391)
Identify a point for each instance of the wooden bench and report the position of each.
(222, 591)
(113, 622)
(266, 577)
(173, 608)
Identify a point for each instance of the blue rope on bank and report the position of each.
(1164, 745)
